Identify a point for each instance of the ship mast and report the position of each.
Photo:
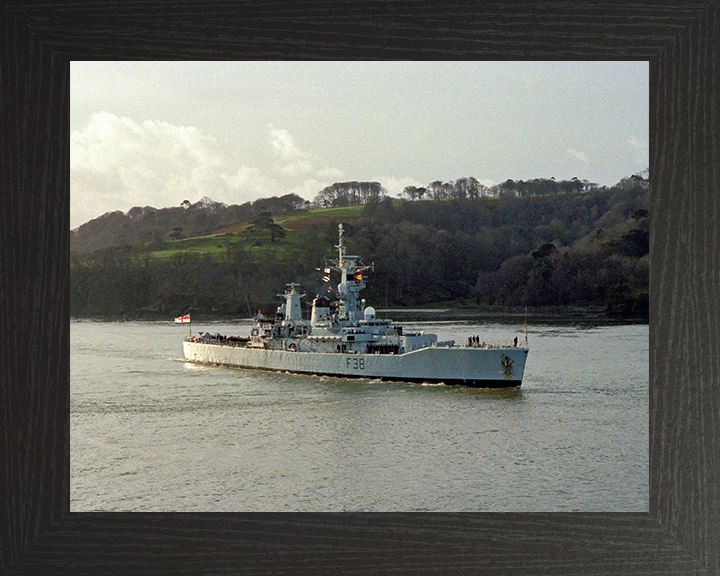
(341, 255)
(351, 270)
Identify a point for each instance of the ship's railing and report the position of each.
(486, 345)
(220, 340)
(383, 349)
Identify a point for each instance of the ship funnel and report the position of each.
(320, 310)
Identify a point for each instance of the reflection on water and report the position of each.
(150, 431)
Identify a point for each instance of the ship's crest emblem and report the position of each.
(507, 365)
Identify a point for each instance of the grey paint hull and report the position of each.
(476, 367)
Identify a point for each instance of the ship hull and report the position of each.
(467, 366)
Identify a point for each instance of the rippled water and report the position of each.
(150, 432)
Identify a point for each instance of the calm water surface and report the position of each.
(150, 432)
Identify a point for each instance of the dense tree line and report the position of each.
(350, 194)
(588, 246)
(581, 247)
(471, 188)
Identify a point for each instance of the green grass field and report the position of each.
(217, 244)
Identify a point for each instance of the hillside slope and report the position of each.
(571, 249)
(143, 225)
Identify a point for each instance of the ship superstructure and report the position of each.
(345, 337)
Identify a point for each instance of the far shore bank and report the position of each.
(431, 312)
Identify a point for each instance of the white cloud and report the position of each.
(637, 144)
(331, 173)
(298, 165)
(641, 149)
(284, 144)
(298, 168)
(117, 163)
(251, 181)
(308, 189)
(395, 185)
(581, 156)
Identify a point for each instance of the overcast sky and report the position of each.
(158, 133)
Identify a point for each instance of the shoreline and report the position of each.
(432, 312)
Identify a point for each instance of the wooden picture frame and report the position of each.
(679, 535)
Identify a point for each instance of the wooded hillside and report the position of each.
(582, 246)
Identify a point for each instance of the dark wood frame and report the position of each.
(679, 535)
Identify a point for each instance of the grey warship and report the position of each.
(345, 338)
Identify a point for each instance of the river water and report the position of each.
(150, 432)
